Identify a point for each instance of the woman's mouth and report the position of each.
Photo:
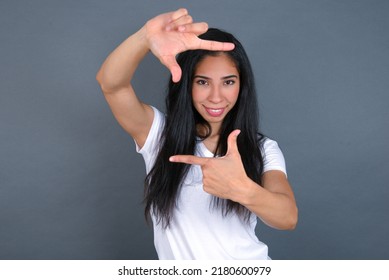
(215, 112)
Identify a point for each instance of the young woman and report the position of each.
(210, 172)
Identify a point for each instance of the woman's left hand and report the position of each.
(226, 178)
(223, 177)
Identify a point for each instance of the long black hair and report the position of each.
(180, 135)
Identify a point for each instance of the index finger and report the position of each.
(188, 159)
(215, 45)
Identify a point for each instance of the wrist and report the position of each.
(250, 193)
(142, 38)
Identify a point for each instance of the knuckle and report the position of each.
(206, 187)
(183, 10)
(210, 163)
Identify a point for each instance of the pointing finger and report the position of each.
(215, 45)
(188, 159)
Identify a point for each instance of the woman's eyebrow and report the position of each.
(222, 78)
(202, 77)
(229, 77)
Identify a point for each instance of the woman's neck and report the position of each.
(211, 141)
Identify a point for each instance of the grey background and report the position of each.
(71, 181)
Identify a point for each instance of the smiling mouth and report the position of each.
(217, 112)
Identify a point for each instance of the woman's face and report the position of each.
(215, 88)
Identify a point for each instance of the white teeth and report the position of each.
(215, 112)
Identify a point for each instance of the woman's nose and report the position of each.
(215, 95)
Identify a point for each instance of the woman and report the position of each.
(206, 185)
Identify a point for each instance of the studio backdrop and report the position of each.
(71, 182)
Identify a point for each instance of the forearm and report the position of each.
(119, 67)
(115, 77)
(275, 209)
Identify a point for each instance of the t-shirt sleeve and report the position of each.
(273, 157)
(149, 150)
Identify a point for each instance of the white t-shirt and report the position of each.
(197, 230)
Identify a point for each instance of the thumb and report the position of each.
(171, 63)
(232, 145)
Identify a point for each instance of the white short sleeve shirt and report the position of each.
(197, 230)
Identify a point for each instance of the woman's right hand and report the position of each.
(175, 32)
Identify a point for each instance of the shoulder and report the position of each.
(273, 157)
(268, 144)
(151, 146)
(154, 133)
(159, 118)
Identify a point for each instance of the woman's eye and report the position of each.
(202, 82)
(229, 82)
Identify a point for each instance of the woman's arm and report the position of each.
(115, 77)
(225, 177)
(274, 204)
(165, 36)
